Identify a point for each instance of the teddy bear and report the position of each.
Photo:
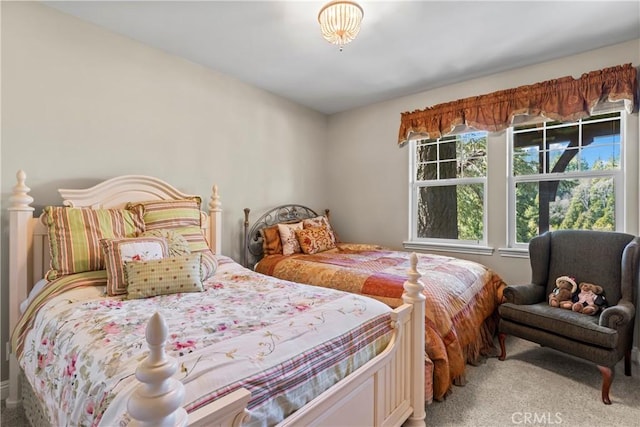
(589, 300)
(562, 294)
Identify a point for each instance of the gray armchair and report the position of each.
(608, 259)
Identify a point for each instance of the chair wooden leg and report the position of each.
(627, 363)
(607, 378)
(503, 351)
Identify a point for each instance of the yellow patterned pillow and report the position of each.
(315, 239)
(320, 221)
(164, 276)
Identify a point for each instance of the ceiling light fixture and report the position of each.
(340, 21)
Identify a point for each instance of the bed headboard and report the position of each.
(252, 236)
(29, 255)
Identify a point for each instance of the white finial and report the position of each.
(20, 199)
(413, 287)
(214, 204)
(158, 400)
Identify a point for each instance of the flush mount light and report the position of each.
(340, 21)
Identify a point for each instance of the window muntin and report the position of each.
(565, 176)
(448, 183)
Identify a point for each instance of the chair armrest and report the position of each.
(618, 315)
(524, 294)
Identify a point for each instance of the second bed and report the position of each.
(462, 296)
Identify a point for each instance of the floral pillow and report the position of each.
(163, 276)
(119, 251)
(320, 221)
(288, 238)
(315, 239)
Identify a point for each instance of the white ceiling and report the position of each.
(404, 47)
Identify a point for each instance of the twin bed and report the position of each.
(227, 346)
(462, 296)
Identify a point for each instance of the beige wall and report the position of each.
(80, 104)
(369, 181)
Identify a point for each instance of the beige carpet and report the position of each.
(534, 386)
(538, 386)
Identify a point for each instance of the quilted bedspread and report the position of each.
(461, 297)
(284, 342)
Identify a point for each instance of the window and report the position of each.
(448, 189)
(565, 176)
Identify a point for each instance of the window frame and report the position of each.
(441, 244)
(618, 175)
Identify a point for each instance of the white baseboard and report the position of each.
(4, 389)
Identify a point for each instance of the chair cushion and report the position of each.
(575, 326)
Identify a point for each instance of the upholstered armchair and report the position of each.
(608, 259)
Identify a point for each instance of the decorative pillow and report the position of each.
(172, 214)
(315, 239)
(163, 276)
(183, 217)
(320, 221)
(178, 245)
(271, 243)
(288, 238)
(75, 234)
(118, 251)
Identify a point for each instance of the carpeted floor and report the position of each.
(534, 386)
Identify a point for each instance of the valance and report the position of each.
(563, 99)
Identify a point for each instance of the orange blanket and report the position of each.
(461, 297)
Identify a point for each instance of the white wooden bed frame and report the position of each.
(386, 391)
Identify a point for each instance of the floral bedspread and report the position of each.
(461, 297)
(284, 342)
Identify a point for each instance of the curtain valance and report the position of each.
(563, 99)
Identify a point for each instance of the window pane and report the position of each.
(427, 153)
(449, 169)
(451, 212)
(427, 171)
(562, 158)
(448, 150)
(600, 157)
(586, 203)
(473, 167)
(526, 160)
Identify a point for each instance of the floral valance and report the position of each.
(563, 99)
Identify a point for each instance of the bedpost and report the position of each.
(413, 295)
(20, 215)
(158, 400)
(246, 237)
(215, 222)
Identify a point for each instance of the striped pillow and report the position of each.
(118, 251)
(164, 276)
(182, 216)
(75, 234)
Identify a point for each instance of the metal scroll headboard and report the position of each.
(282, 214)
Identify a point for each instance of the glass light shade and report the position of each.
(340, 21)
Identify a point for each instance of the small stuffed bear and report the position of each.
(563, 292)
(589, 300)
